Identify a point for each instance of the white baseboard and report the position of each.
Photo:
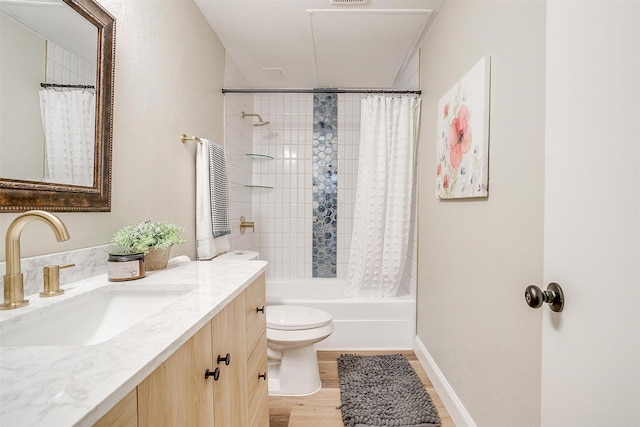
(454, 406)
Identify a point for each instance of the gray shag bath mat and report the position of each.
(383, 391)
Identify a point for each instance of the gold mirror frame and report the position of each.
(20, 196)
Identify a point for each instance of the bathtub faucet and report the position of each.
(246, 224)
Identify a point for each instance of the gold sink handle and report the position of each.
(51, 276)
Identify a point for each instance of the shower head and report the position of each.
(260, 121)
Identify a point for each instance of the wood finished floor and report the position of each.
(320, 409)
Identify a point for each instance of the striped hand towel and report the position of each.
(219, 188)
(212, 201)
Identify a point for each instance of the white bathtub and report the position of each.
(361, 324)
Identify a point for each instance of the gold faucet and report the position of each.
(13, 283)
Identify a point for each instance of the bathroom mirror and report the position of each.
(87, 40)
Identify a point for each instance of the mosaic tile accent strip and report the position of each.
(325, 185)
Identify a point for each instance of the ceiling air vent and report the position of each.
(273, 73)
(347, 1)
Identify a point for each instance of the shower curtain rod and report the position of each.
(46, 85)
(327, 90)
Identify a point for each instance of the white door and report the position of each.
(591, 350)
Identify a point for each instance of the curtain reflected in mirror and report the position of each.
(68, 120)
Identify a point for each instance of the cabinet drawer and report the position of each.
(256, 320)
(258, 387)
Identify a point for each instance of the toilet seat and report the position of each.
(295, 318)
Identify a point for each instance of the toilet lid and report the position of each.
(295, 317)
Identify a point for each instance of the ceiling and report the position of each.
(318, 44)
(56, 21)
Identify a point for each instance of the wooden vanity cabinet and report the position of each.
(177, 393)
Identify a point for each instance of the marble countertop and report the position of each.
(77, 385)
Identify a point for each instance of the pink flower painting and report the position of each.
(459, 138)
(463, 136)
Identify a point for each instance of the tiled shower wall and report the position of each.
(284, 214)
(325, 185)
(65, 67)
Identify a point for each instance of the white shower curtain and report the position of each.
(382, 214)
(68, 119)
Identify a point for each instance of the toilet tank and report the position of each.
(238, 254)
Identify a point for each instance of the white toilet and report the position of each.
(292, 331)
(238, 255)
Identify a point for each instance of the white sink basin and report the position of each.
(88, 318)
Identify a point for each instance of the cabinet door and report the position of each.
(177, 393)
(124, 414)
(257, 384)
(256, 312)
(230, 391)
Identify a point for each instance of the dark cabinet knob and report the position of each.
(226, 359)
(215, 374)
(263, 376)
(260, 309)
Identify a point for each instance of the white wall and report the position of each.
(22, 69)
(475, 257)
(168, 80)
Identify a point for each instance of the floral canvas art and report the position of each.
(463, 136)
